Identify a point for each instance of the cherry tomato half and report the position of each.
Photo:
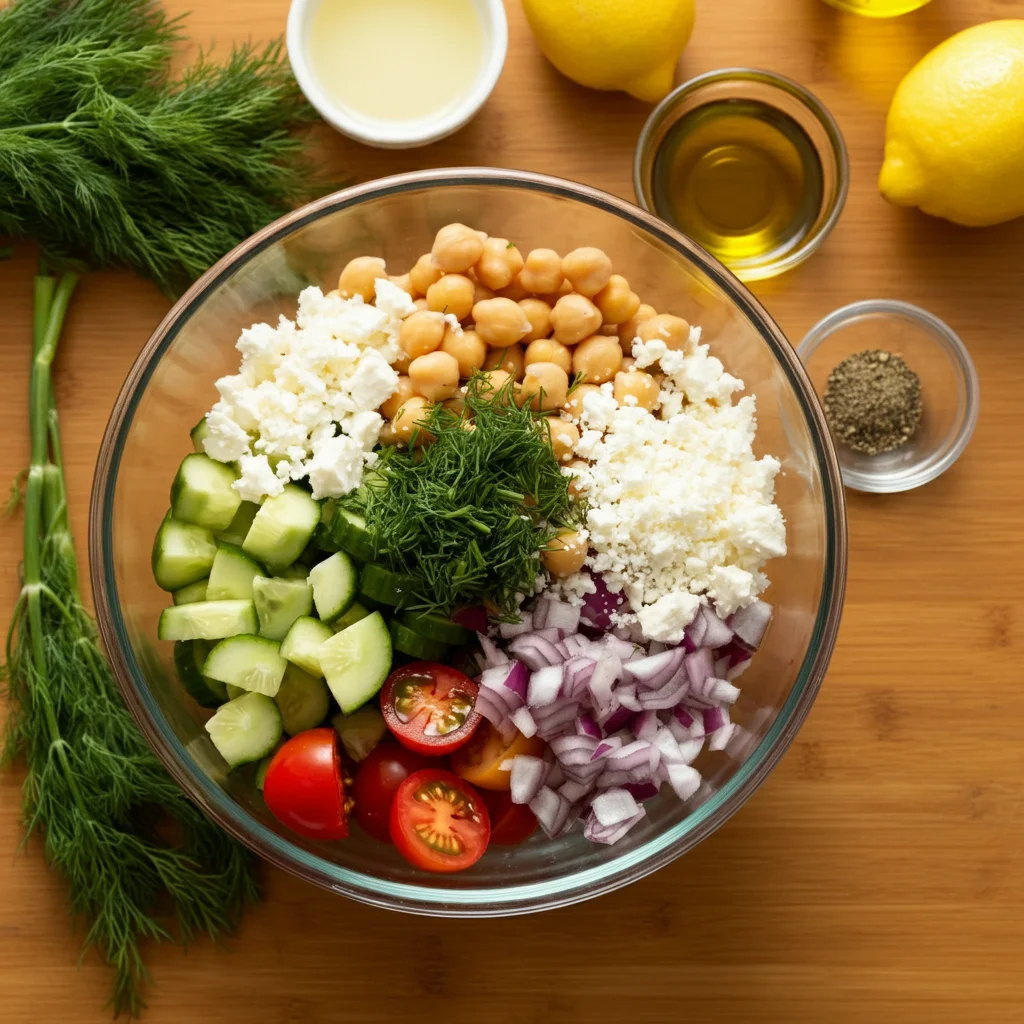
(379, 775)
(439, 822)
(510, 823)
(429, 707)
(479, 760)
(304, 787)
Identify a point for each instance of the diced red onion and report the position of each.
(714, 718)
(632, 755)
(613, 806)
(613, 777)
(552, 635)
(737, 669)
(689, 749)
(683, 717)
(720, 738)
(641, 791)
(578, 645)
(699, 665)
(606, 671)
(683, 779)
(586, 726)
(605, 747)
(656, 647)
(489, 707)
(577, 673)
(473, 617)
(618, 719)
(718, 632)
(573, 749)
(655, 670)
(626, 696)
(492, 654)
(508, 630)
(535, 651)
(697, 629)
(551, 811)
(584, 774)
(526, 778)
(646, 726)
(545, 685)
(665, 697)
(523, 721)
(556, 776)
(751, 623)
(574, 791)
(613, 647)
(598, 606)
(598, 833)
(667, 746)
(561, 719)
(558, 614)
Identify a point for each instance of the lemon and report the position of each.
(631, 45)
(954, 140)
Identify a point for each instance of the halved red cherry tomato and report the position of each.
(429, 707)
(510, 823)
(304, 787)
(479, 760)
(380, 774)
(439, 822)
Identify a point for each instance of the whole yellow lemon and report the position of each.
(631, 45)
(954, 139)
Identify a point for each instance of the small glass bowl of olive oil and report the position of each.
(748, 164)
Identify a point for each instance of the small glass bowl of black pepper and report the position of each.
(899, 389)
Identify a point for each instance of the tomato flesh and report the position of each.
(304, 788)
(429, 707)
(479, 761)
(378, 777)
(439, 822)
(511, 823)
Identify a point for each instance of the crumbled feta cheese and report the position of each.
(666, 620)
(394, 301)
(256, 479)
(336, 466)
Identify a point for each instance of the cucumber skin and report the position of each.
(192, 594)
(265, 750)
(207, 693)
(166, 629)
(350, 578)
(420, 647)
(264, 541)
(303, 700)
(306, 624)
(204, 562)
(437, 628)
(366, 686)
(386, 587)
(223, 519)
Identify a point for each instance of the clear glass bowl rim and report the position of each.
(666, 109)
(948, 340)
(490, 901)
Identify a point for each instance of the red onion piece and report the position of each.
(578, 671)
(684, 780)
(654, 670)
(618, 719)
(578, 645)
(718, 632)
(666, 697)
(683, 717)
(523, 721)
(574, 791)
(737, 669)
(545, 685)
(492, 655)
(526, 778)
(488, 706)
(613, 647)
(632, 755)
(605, 747)
(641, 791)
(561, 615)
(699, 665)
(627, 698)
(556, 776)
(613, 806)
(721, 737)
(714, 718)
(586, 726)
(508, 630)
(751, 623)
(646, 726)
(598, 606)
(551, 811)
(697, 629)
(606, 671)
(535, 651)
(552, 635)
(473, 617)
(597, 833)
(573, 749)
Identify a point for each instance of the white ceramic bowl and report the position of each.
(398, 134)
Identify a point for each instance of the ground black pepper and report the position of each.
(873, 401)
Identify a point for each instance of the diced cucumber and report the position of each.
(202, 492)
(182, 554)
(245, 729)
(192, 593)
(252, 662)
(356, 661)
(189, 656)
(303, 700)
(416, 646)
(239, 526)
(361, 731)
(261, 771)
(322, 534)
(391, 588)
(279, 602)
(296, 571)
(282, 527)
(302, 644)
(232, 575)
(199, 433)
(356, 611)
(207, 620)
(347, 531)
(233, 691)
(334, 586)
(436, 627)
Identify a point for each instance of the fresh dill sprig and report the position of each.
(106, 160)
(468, 514)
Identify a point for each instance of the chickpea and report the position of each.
(598, 358)
(468, 349)
(456, 248)
(421, 333)
(401, 364)
(538, 312)
(574, 318)
(628, 362)
(547, 350)
(542, 272)
(456, 405)
(580, 392)
(402, 281)
(481, 292)
(616, 300)
(424, 274)
(588, 270)
(508, 359)
(545, 386)
(609, 331)
(404, 391)
(435, 376)
(421, 303)
(388, 435)
(494, 380)
(628, 328)
(514, 291)
(452, 294)
(637, 388)
(360, 277)
(500, 322)
(673, 330)
(405, 423)
(565, 554)
(499, 263)
(564, 438)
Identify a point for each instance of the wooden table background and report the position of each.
(878, 875)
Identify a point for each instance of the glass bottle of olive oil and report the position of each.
(878, 8)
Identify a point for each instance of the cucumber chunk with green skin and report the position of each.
(356, 661)
(252, 662)
(279, 602)
(282, 527)
(207, 620)
(361, 731)
(391, 588)
(436, 627)
(298, 571)
(192, 593)
(233, 691)
(355, 612)
(334, 586)
(416, 646)
(347, 531)
(303, 642)
(202, 493)
(189, 657)
(303, 700)
(199, 433)
(245, 729)
(239, 526)
(182, 554)
(232, 575)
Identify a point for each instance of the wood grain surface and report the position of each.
(878, 876)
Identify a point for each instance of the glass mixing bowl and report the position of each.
(171, 386)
